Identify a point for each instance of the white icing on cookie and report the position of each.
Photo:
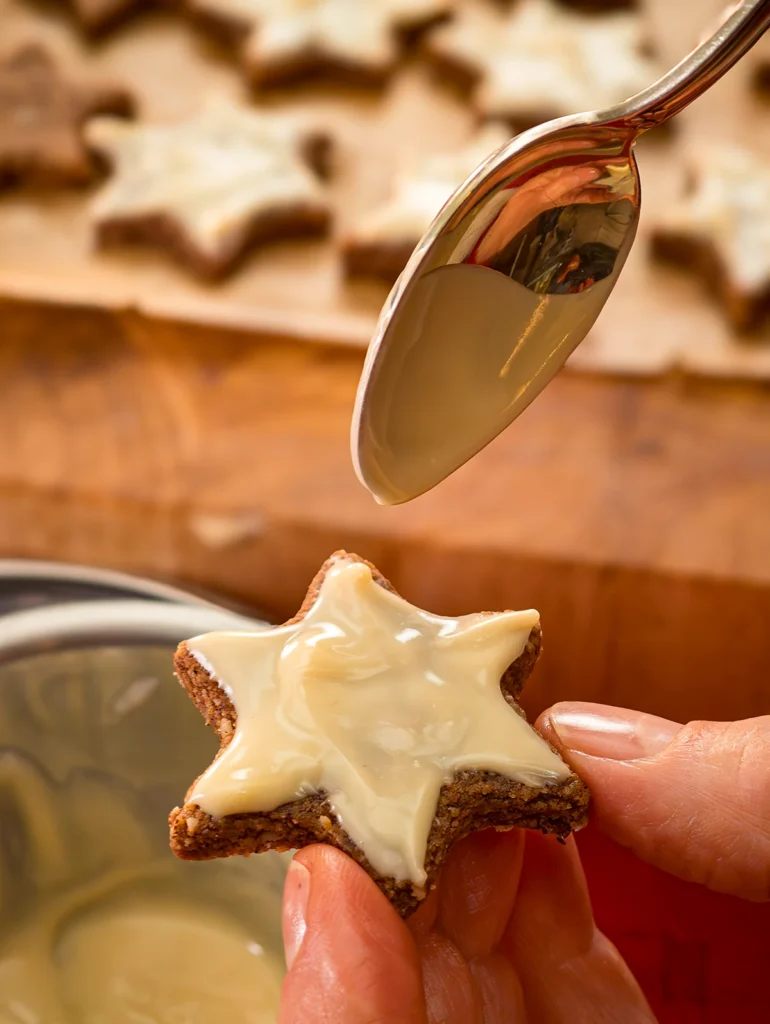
(542, 59)
(729, 208)
(420, 194)
(375, 703)
(350, 32)
(212, 174)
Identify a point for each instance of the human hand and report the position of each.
(509, 935)
(691, 799)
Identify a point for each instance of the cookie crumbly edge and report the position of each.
(471, 801)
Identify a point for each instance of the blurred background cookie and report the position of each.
(720, 231)
(42, 113)
(96, 17)
(538, 60)
(209, 188)
(599, 6)
(282, 42)
(380, 244)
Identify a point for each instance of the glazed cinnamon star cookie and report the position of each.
(98, 16)
(382, 241)
(369, 724)
(42, 113)
(600, 6)
(287, 40)
(538, 60)
(209, 188)
(720, 231)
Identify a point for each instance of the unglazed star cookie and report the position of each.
(382, 242)
(538, 60)
(369, 724)
(208, 188)
(42, 113)
(286, 40)
(720, 231)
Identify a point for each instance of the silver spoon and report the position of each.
(511, 276)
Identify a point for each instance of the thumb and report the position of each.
(350, 956)
(691, 799)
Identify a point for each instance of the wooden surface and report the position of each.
(635, 516)
(656, 321)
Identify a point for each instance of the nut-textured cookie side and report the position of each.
(473, 800)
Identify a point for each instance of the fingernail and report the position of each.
(614, 733)
(296, 892)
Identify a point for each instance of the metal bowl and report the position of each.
(97, 743)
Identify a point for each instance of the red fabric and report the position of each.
(701, 958)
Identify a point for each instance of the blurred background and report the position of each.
(192, 427)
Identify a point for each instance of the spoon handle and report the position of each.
(697, 72)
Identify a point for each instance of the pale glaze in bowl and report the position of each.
(98, 921)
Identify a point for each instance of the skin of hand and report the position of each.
(508, 935)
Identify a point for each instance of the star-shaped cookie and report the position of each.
(208, 188)
(382, 242)
(600, 6)
(98, 16)
(539, 60)
(371, 725)
(287, 40)
(42, 113)
(720, 231)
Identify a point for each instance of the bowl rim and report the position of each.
(36, 570)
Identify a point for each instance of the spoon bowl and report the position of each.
(506, 284)
(511, 276)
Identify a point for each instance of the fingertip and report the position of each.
(599, 731)
(546, 720)
(342, 895)
(544, 725)
(688, 798)
(322, 857)
(351, 954)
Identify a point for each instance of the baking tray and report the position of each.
(657, 320)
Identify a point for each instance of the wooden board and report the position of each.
(655, 322)
(633, 515)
